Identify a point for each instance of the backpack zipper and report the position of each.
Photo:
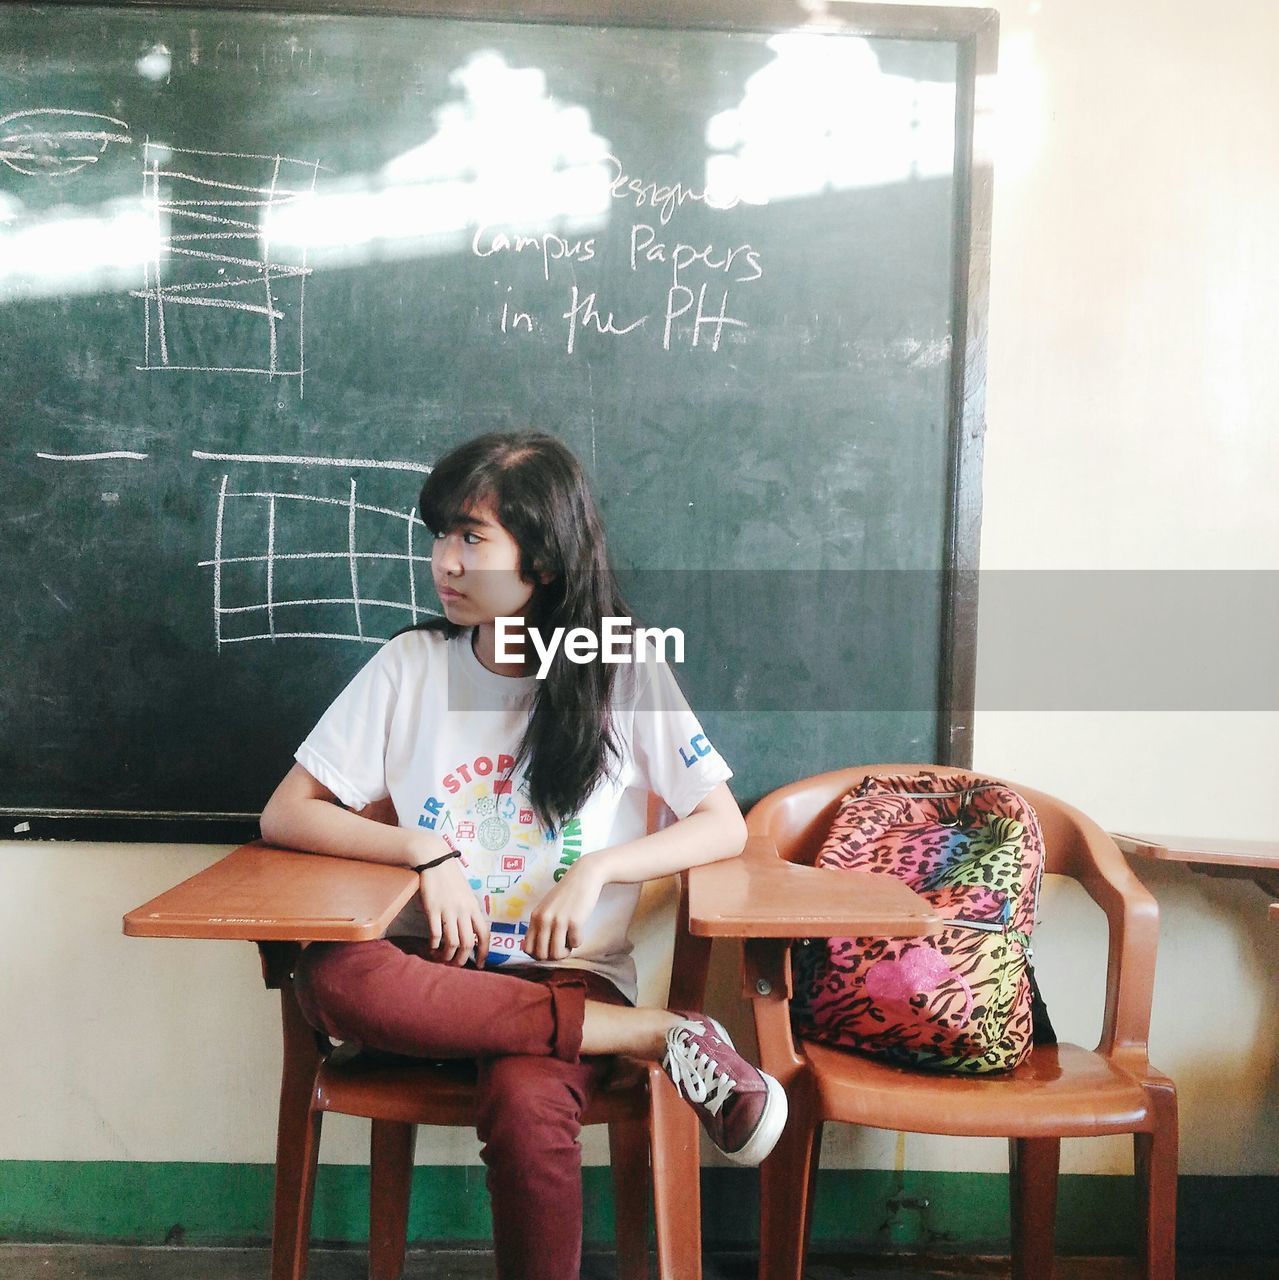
(940, 795)
(984, 925)
(967, 791)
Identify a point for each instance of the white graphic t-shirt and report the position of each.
(427, 724)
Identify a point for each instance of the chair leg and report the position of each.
(787, 1187)
(297, 1145)
(677, 1194)
(628, 1152)
(1032, 1189)
(1155, 1164)
(390, 1180)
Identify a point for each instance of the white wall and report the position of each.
(1133, 400)
(1133, 388)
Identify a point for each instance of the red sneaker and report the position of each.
(742, 1110)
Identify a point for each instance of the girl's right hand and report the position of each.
(454, 921)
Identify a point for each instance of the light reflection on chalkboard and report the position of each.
(69, 250)
(502, 152)
(822, 116)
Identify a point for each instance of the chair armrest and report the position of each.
(1133, 918)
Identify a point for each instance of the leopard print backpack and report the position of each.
(960, 1000)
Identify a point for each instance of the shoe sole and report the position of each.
(769, 1129)
(771, 1122)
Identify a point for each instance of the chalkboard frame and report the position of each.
(974, 32)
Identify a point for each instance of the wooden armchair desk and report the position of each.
(1255, 860)
(280, 899)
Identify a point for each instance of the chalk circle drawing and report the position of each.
(213, 220)
(313, 566)
(55, 142)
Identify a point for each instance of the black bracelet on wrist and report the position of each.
(437, 862)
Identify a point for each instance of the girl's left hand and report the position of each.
(555, 927)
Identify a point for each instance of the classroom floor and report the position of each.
(116, 1262)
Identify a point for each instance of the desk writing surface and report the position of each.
(263, 894)
(758, 895)
(259, 270)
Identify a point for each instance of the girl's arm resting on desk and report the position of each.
(713, 831)
(304, 814)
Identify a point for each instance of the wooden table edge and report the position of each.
(907, 925)
(251, 929)
(1150, 847)
(1137, 846)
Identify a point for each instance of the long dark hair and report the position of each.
(538, 493)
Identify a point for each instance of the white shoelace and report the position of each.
(696, 1075)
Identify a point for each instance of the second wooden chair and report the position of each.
(1059, 1091)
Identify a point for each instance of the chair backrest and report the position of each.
(797, 817)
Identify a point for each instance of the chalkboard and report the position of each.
(259, 269)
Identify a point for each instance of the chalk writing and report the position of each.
(587, 313)
(513, 319)
(665, 197)
(680, 299)
(646, 247)
(552, 248)
(689, 315)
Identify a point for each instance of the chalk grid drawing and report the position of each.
(213, 212)
(307, 566)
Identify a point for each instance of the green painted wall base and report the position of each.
(861, 1209)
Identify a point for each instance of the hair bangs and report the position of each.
(450, 493)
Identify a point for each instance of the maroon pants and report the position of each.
(524, 1027)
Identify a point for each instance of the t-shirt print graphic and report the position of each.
(512, 862)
